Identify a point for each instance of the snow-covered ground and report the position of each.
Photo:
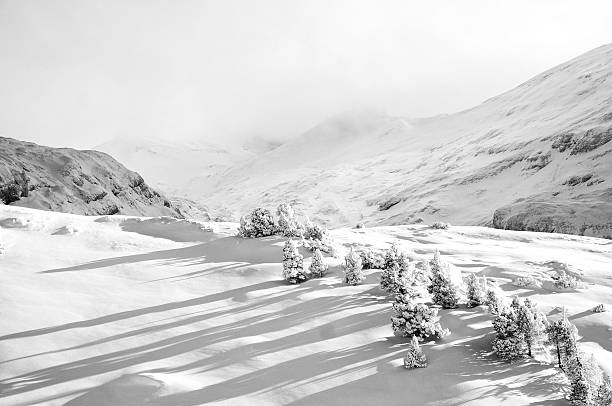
(154, 311)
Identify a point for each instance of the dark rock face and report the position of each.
(589, 215)
(592, 139)
(73, 181)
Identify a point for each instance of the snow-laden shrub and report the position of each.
(293, 263)
(288, 225)
(475, 291)
(353, 271)
(318, 267)
(259, 223)
(439, 225)
(415, 319)
(527, 282)
(372, 259)
(442, 289)
(10, 193)
(509, 342)
(565, 281)
(316, 236)
(414, 357)
(600, 308)
(313, 231)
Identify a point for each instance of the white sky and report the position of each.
(80, 72)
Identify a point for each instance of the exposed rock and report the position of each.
(589, 215)
(73, 181)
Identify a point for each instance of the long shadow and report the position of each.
(175, 345)
(227, 249)
(236, 294)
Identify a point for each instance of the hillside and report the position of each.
(537, 157)
(73, 181)
(117, 310)
(177, 167)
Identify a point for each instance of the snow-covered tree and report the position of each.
(509, 342)
(603, 397)
(494, 299)
(316, 236)
(561, 335)
(415, 319)
(371, 259)
(293, 263)
(414, 357)
(287, 223)
(580, 394)
(475, 291)
(259, 223)
(395, 281)
(530, 324)
(314, 231)
(353, 271)
(393, 256)
(318, 267)
(442, 289)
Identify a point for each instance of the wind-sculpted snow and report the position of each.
(108, 316)
(73, 181)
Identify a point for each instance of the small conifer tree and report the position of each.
(442, 289)
(509, 342)
(494, 299)
(603, 397)
(293, 263)
(475, 291)
(318, 267)
(531, 324)
(415, 319)
(287, 223)
(561, 336)
(353, 271)
(414, 357)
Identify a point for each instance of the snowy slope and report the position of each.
(176, 167)
(74, 181)
(537, 157)
(126, 311)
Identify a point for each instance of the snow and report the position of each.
(156, 311)
(458, 168)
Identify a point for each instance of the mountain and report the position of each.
(73, 181)
(176, 167)
(537, 157)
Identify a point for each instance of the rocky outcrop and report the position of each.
(73, 181)
(589, 215)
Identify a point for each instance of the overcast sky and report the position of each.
(80, 72)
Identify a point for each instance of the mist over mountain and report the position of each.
(536, 157)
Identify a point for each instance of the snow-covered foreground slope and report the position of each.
(537, 157)
(155, 311)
